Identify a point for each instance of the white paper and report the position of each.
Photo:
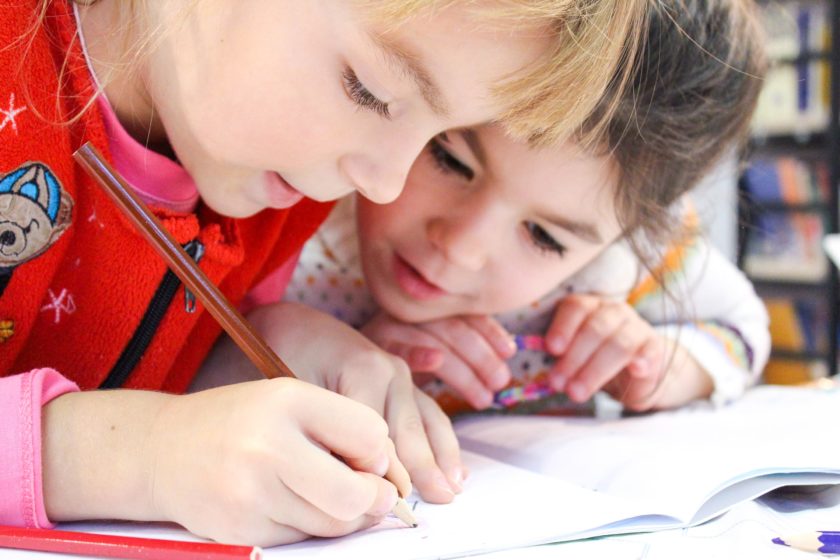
(546, 479)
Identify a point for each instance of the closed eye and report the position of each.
(361, 96)
(542, 240)
(447, 162)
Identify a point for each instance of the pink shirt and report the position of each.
(157, 179)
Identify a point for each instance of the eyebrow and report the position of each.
(586, 231)
(410, 64)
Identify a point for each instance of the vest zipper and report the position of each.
(150, 322)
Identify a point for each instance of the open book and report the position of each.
(536, 480)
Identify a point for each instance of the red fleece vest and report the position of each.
(76, 279)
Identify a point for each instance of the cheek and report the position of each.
(250, 130)
(523, 281)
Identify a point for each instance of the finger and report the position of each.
(569, 315)
(642, 393)
(331, 485)
(598, 327)
(460, 377)
(473, 349)
(494, 333)
(607, 361)
(397, 473)
(374, 388)
(408, 431)
(442, 439)
(352, 431)
(418, 358)
(291, 512)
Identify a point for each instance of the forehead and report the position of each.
(562, 179)
(467, 55)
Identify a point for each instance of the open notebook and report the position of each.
(536, 480)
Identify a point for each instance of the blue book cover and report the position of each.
(803, 22)
(762, 179)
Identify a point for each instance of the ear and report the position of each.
(64, 217)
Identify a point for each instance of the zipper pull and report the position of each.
(195, 249)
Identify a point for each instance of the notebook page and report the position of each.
(670, 461)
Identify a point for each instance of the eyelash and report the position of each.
(359, 94)
(542, 240)
(449, 163)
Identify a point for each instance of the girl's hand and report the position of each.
(605, 344)
(324, 351)
(467, 352)
(257, 463)
(251, 463)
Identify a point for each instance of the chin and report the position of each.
(411, 311)
(229, 210)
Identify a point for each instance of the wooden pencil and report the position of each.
(116, 546)
(231, 320)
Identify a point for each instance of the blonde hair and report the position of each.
(586, 66)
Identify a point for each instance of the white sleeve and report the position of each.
(710, 308)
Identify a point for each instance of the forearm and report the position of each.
(98, 460)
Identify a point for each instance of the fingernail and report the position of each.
(556, 344)
(558, 382)
(380, 466)
(577, 391)
(483, 400)
(501, 378)
(510, 345)
(441, 482)
(455, 476)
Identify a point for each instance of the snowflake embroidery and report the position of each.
(11, 113)
(63, 302)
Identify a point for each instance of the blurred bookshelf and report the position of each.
(789, 190)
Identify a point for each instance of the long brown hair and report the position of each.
(695, 86)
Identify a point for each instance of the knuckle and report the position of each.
(373, 362)
(335, 527)
(622, 344)
(412, 424)
(600, 325)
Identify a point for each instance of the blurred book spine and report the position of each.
(795, 97)
(788, 199)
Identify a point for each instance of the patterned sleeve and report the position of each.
(710, 308)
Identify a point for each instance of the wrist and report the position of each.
(98, 456)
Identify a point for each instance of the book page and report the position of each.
(502, 507)
(538, 479)
(671, 461)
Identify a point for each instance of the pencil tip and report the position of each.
(403, 513)
(777, 540)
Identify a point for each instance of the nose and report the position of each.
(8, 237)
(464, 239)
(380, 173)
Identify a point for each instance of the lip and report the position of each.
(412, 283)
(280, 193)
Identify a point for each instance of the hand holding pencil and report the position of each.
(255, 462)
